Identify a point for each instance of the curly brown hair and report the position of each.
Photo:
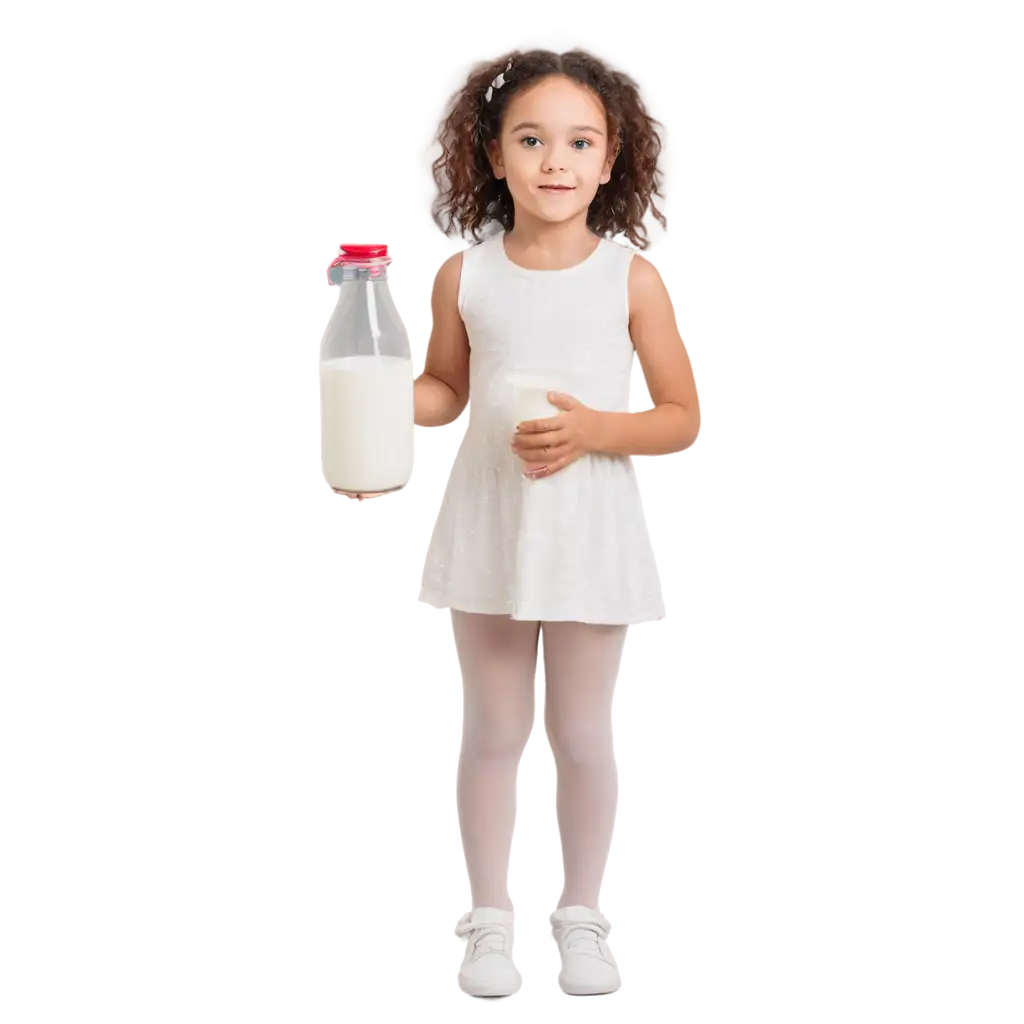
(470, 195)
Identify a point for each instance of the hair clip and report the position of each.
(497, 83)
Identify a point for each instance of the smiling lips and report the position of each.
(557, 188)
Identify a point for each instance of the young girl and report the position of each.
(541, 528)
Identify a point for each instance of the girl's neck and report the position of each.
(545, 246)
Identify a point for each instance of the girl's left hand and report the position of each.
(551, 444)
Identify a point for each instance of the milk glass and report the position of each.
(530, 397)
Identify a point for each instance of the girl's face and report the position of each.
(554, 133)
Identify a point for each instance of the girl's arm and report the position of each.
(674, 422)
(441, 392)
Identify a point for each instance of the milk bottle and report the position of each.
(366, 380)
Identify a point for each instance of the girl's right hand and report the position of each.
(355, 499)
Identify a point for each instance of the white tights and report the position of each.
(498, 659)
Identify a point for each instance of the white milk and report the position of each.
(366, 422)
(529, 398)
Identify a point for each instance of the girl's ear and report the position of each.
(606, 171)
(494, 155)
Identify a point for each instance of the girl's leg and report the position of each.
(498, 659)
(581, 664)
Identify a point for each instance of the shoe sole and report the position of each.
(580, 989)
(481, 992)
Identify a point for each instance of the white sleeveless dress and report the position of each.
(572, 546)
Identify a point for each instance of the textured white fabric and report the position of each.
(573, 546)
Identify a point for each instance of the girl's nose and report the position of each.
(556, 161)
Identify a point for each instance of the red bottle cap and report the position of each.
(359, 255)
(356, 252)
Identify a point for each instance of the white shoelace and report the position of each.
(581, 937)
(489, 938)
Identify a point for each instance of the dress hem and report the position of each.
(536, 615)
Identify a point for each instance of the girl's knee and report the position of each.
(580, 740)
(497, 736)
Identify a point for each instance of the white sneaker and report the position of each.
(588, 967)
(487, 968)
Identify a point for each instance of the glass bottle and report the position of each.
(366, 380)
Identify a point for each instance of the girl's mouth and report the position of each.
(556, 188)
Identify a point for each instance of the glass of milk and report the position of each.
(530, 397)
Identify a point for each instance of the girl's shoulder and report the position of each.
(623, 257)
(447, 285)
(449, 271)
(647, 290)
(452, 265)
(460, 275)
(482, 253)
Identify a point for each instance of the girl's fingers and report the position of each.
(538, 459)
(536, 444)
(555, 466)
(542, 457)
(349, 497)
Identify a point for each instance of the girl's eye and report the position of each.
(531, 141)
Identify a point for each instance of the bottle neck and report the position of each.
(342, 274)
